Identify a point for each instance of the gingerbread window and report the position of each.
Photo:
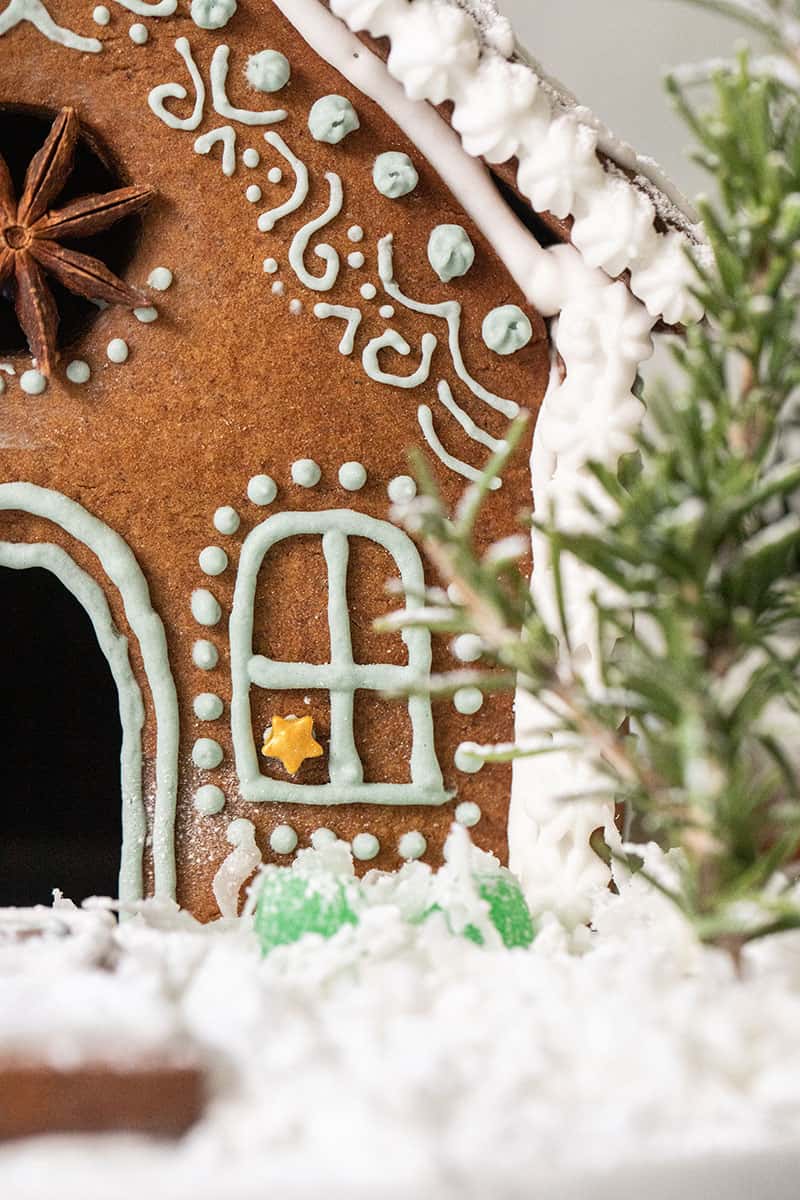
(341, 676)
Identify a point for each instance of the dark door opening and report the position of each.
(60, 740)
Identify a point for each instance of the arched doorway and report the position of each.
(61, 823)
(120, 571)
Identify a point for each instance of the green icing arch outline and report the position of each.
(341, 676)
(121, 567)
(23, 555)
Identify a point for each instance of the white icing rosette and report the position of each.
(499, 106)
(374, 16)
(434, 48)
(615, 227)
(558, 169)
(663, 281)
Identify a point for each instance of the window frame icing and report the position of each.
(341, 676)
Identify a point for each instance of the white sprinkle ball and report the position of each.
(278, 288)
(270, 265)
(274, 174)
(138, 33)
(369, 291)
(251, 157)
(101, 15)
(253, 193)
(146, 315)
(355, 233)
(386, 311)
(295, 307)
(356, 259)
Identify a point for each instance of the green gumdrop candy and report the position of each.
(508, 910)
(290, 905)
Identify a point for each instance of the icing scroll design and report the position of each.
(300, 242)
(341, 677)
(391, 338)
(122, 569)
(35, 13)
(176, 91)
(218, 76)
(226, 135)
(268, 220)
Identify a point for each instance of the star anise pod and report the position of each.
(31, 232)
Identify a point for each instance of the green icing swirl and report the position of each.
(331, 119)
(506, 329)
(394, 174)
(450, 252)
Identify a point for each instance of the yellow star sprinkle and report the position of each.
(291, 739)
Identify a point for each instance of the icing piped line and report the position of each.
(391, 338)
(352, 316)
(219, 77)
(122, 568)
(425, 419)
(297, 250)
(465, 420)
(225, 134)
(150, 8)
(449, 311)
(176, 91)
(341, 674)
(35, 13)
(21, 556)
(268, 220)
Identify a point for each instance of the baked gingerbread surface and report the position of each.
(240, 377)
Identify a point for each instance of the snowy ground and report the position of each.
(399, 1060)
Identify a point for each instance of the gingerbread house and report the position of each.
(250, 254)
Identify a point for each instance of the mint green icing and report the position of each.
(206, 753)
(365, 847)
(120, 566)
(209, 800)
(205, 608)
(394, 174)
(226, 519)
(450, 252)
(207, 707)
(205, 654)
(283, 839)
(212, 14)
(213, 560)
(268, 71)
(412, 845)
(331, 119)
(468, 814)
(468, 700)
(506, 329)
(352, 476)
(342, 676)
(262, 490)
(20, 556)
(306, 473)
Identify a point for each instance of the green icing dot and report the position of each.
(290, 906)
(450, 252)
(506, 329)
(268, 71)
(331, 119)
(394, 174)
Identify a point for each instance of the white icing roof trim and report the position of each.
(461, 51)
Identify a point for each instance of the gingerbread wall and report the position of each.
(238, 378)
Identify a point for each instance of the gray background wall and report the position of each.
(612, 54)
